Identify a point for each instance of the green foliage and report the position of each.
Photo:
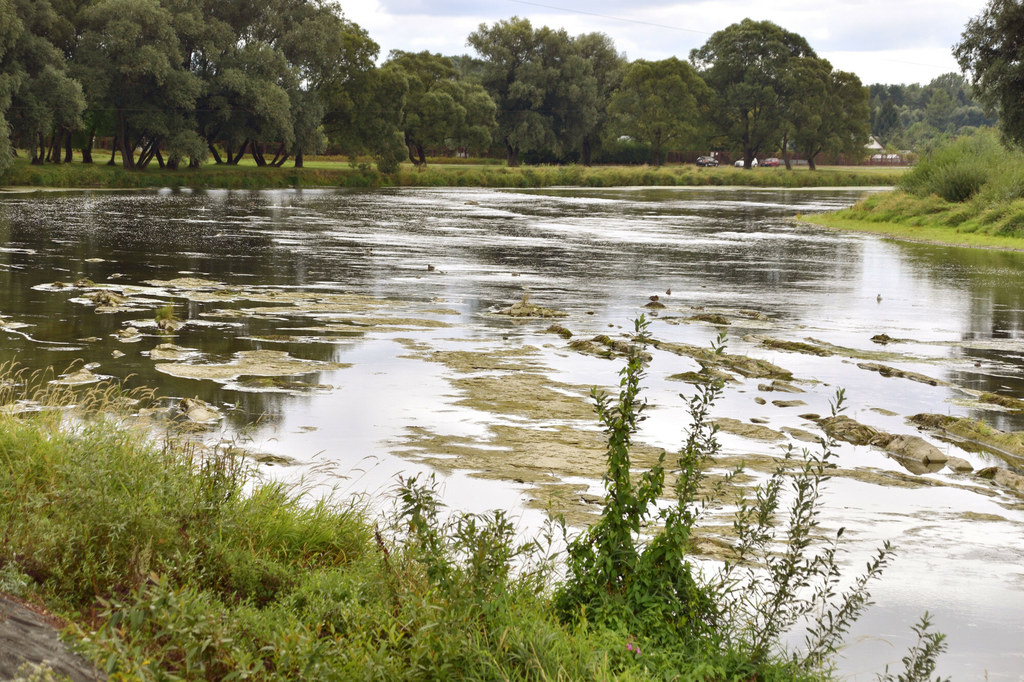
(659, 103)
(919, 663)
(990, 51)
(959, 170)
(745, 65)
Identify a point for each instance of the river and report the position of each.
(353, 336)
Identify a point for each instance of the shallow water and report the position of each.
(399, 287)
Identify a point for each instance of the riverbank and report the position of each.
(906, 217)
(338, 173)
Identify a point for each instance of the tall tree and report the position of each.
(131, 59)
(439, 108)
(608, 67)
(745, 65)
(830, 112)
(659, 103)
(46, 103)
(517, 84)
(991, 51)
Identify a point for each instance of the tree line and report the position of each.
(176, 82)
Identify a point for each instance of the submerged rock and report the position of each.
(196, 411)
(796, 347)
(916, 449)
(524, 308)
(887, 371)
(959, 466)
(1006, 444)
(1004, 477)
(753, 431)
(560, 330)
(1002, 401)
(263, 363)
(846, 429)
(711, 318)
(751, 368)
(780, 386)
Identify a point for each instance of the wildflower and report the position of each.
(632, 648)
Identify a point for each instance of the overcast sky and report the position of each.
(882, 41)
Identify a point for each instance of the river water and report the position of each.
(388, 355)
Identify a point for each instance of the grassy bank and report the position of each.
(337, 173)
(177, 562)
(969, 192)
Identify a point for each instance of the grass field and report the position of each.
(336, 172)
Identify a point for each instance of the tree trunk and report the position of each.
(69, 153)
(810, 162)
(53, 151)
(422, 156)
(37, 150)
(280, 156)
(213, 150)
(512, 155)
(298, 158)
(785, 152)
(411, 148)
(160, 157)
(87, 146)
(239, 154)
(113, 151)
(257, 154)
(127, 147)
(585, 151)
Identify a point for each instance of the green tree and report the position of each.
(659, 103)
(10, 30)
(745, 65)
(131, 60)
(517, 84)
(991, 52)
(45, 102)
(608, 67)
(887, 121)
(548, 86)
(439, 108)
(829, 112)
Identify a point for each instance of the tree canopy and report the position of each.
(991, 51)
(175, 81)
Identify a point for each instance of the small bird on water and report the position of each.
(878, 298)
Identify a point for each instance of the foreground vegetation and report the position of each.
(969, 191)
(175, 562)
(338, 173)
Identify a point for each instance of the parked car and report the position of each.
(771, 161)
(707, 161)
(739, 163)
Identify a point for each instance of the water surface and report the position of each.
(381, 281)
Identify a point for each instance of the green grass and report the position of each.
(333, 172)
(968, 192)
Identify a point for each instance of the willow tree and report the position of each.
(659, 103)
(745, 65)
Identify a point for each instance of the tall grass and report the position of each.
(969, 190)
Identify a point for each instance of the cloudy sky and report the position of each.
(882, 41)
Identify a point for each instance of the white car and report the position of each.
(739, 164)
